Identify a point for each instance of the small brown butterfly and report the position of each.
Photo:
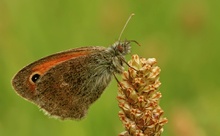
(65, 84)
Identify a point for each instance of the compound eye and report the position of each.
(34, 77)
(120, 48)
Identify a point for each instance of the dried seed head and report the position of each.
(138, 99)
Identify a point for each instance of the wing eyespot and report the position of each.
(34, 77)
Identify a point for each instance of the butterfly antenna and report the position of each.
(125, 26)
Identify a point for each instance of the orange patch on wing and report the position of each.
(45, 66)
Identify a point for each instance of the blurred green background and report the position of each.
(183, 35)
